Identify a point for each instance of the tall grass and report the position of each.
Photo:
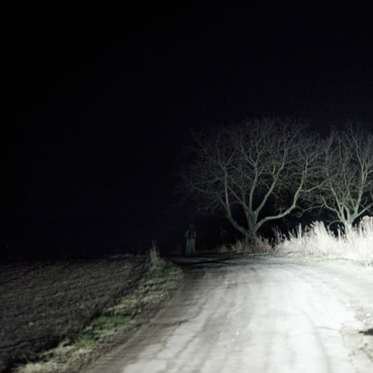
(154, 258)
(261, 246)
(318, 240)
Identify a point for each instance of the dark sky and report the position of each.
(105, 98)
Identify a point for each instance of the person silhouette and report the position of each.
(190, 240)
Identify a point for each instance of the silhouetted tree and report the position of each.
(347, 170)
(240, 170)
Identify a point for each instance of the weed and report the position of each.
(155, 260)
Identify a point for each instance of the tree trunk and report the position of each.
(347, 226)
(250, 238)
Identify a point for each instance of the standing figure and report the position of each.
(190, 240)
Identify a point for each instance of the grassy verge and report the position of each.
(113, 325)
(262, 246)
(319, 242)
(315, 241)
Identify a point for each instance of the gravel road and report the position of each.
(257, 315)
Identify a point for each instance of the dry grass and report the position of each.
(262, 246)
(155, 260)
(317, 240)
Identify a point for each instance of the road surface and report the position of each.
(258, 315)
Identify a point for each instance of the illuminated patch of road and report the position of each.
(256, 315)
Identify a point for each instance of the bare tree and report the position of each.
(241, 170)
(347, 170)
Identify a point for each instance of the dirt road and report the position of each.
(258, 315)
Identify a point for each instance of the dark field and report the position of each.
(42, 303)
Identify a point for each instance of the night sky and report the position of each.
(106, 98)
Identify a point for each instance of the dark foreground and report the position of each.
(43, 303)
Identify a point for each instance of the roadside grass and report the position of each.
(155, 260)
(317, 240)
(261, 246)
(111, 327)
